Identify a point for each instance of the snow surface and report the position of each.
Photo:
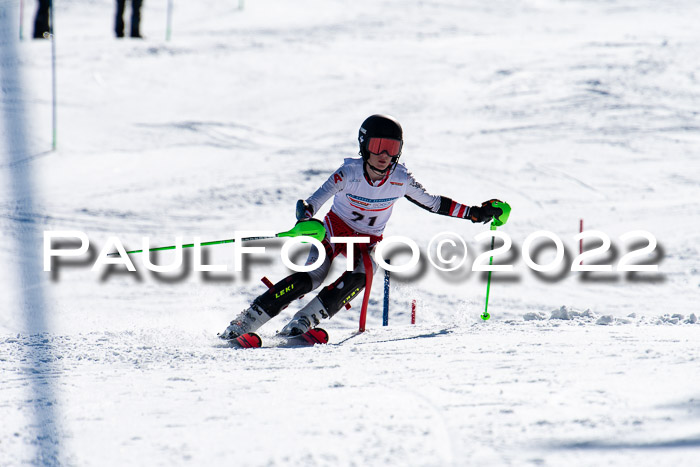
(568, 110)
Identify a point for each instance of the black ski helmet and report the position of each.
(379, 126)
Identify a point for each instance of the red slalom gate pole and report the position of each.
(369, 272)
(413, 312)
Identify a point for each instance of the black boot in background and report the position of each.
(119, 19)
(136, 18)
(41, 22)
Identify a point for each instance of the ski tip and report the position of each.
(247, 341)
(316, 336)
(309, 338)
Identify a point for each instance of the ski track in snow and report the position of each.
(567, 110)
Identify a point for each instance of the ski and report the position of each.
(309, 338)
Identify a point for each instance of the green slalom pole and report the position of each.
(497, 222)
(311, 228)
(169, 20)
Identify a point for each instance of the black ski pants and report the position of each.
(135, 18)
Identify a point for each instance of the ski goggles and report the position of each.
(379, 145)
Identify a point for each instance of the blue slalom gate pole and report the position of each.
(386, 297)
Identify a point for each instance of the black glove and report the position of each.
(485, 212)
(304, 210)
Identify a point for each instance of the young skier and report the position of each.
(364, 191)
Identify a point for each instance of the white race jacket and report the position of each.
(367, 207)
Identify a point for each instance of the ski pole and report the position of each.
(311, 228)
(497, 221)
(485, 315)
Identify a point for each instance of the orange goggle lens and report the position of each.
(379, 145)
